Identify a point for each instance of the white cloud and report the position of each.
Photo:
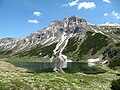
(33, 21)
(105, 14)
(107, 1)
(65, 5)
(38, 13)
(116, 14)
(113, 14)
(86, 5)
(73, 3)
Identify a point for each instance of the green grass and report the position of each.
(56, 81)
(13, 78)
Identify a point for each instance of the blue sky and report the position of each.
(19, 18)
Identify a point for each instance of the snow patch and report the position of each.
(110, 24)
(59, 49)
(91, 62)
(104, 61)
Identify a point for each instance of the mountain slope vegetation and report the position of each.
(92, 45)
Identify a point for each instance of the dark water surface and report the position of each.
(68, 67)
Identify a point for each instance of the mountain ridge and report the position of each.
(61, 32)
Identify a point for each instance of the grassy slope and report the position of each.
(12, 78)
(5, 52)
(35, 51)
(71, 47)
(26, 59)
(114, 61)
(93, 45)
(7, 67)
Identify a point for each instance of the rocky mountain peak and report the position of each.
(110, 24)
(75, 19)
(69, 22)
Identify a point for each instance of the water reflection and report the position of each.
(69, 67)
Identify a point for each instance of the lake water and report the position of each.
(69, 67)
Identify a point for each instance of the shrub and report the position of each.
(115, 85)
(115, 61)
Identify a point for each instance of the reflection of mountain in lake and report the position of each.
(70, 67)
